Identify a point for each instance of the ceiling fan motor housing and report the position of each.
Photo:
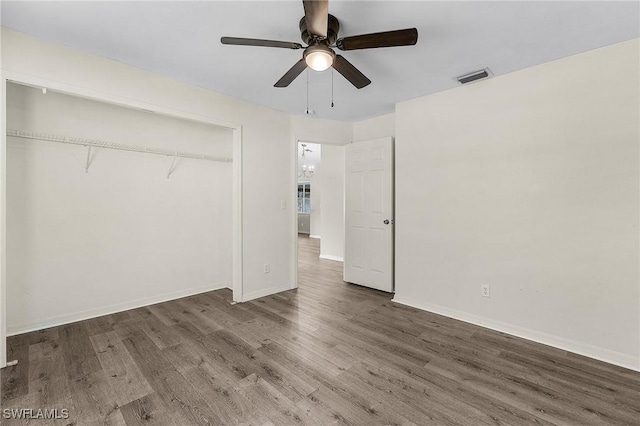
(333, 28)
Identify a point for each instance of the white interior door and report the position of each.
(368, 257)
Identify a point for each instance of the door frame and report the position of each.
(294, 191)
(7, 77)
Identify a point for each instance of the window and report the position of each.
(304, 197)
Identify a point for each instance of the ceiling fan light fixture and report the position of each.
(319, 57)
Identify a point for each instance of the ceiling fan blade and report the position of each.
(316, 13)
(407, 37)
(350, 72)
(291, 75)
(238, 41)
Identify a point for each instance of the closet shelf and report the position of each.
(110, 145)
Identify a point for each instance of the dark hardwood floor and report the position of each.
(326, 353)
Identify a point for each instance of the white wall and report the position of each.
(374, 128)
(84, 244)
(528, 182)
(304, 128)
(332, 188)
(316, 205)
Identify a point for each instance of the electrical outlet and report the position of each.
(267, 268)
(283, 204)
(486, 291)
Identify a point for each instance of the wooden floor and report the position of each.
(327, 353)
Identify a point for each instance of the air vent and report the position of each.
(476, 75)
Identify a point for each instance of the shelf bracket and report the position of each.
(171, 167)
(88, 162)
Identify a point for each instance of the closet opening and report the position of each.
(110, 207)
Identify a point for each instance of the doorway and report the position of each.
(309, 192)
(356, 185)
(319, 207)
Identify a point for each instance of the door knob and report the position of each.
(386, 221)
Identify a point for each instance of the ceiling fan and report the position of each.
(319, 31)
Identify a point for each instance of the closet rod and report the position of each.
(102, 144)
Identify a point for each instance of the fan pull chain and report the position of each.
(307, 90)
(331, 87)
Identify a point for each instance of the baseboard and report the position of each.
(602, 354)
(314, 236)
(266, 292)
(12, 330)
(330, 257)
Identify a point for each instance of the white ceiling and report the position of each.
(181, 40)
